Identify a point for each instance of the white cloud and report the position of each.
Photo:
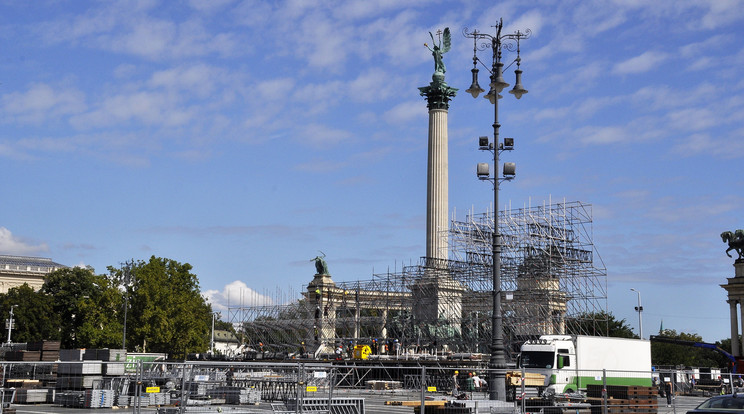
(370, 86)
(602, 135)
(128, 27)
(277, 89)
(147, 107)
(235, 294)
(533, 20)
(639, 64)
(42, 102)
(695, 119)
(721, 13)
(209, 6)
(199, 78)
(12, 245)
(324, 43)
(406, 112)
(321, 136)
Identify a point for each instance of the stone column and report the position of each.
(437, 203)
(438, 95)
(740, 344)
(735, 290)
(735, 347)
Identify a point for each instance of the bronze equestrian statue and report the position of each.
(735, 241)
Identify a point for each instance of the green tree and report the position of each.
(35, 319)
(599, 324)
(668, 354)
(220, 325)
(167, 311)
(88, 307)
(101, 325)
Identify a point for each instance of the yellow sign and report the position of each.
(150, 390)
(431, 389)
(311, 388)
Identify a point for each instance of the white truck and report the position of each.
(571, 362)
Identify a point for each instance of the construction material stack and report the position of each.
(49, 350)
(99, 399)
(236, 395)
(40, 389)
(623, 399)
(77, 371)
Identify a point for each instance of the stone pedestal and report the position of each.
(437, 302)
(320, 292)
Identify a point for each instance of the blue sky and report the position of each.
(244, 137)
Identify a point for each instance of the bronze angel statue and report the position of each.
(445, 43)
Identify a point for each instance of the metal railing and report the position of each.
(314, 387)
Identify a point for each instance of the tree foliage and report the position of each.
(599, 324)
(88, 307)
(167, 312)
(667, 354)
(35, 319)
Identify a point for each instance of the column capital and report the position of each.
(438, 93)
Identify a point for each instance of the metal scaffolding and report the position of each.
(553, 282)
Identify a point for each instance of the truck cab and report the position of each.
(553, 357)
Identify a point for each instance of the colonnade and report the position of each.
(735, 289)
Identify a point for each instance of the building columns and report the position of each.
(735, 289)
(735, 347)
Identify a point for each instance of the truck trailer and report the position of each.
(571, 362)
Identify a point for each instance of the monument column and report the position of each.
(438, 95)
(437, 188)
(437, 296)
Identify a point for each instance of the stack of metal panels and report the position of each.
(70, 399)
(159, 398)
(78, 382)
(236, 395)
(80, 368)
(71, 354)
(113, 355)
(32, 396)
(49, 349)
(198, 387)
(99, 398)
(124, 400)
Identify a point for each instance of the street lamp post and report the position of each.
(639, 309)
(497, 361)
(11, 321)
(211, 345)
(127, 278)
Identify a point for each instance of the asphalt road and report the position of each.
(374, 404)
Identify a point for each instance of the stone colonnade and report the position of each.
(735, 289)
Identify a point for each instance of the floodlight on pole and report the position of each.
(639, 309)
(11, 321)
(497, 362)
